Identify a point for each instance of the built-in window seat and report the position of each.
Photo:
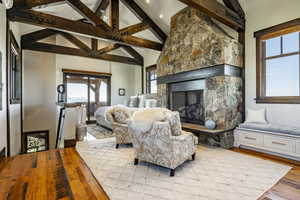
(269, 138)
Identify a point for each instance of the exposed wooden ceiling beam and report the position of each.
(139, 13)
(103, 5)
(55, 22)
(133, 52)
(88, 14)
(130, 30)
(38, 35)
(218, 11)
(33, 3)
(235, 6)
(94, 44)
(75, 41)
(106, 49)
(51, 48)
(114, 14)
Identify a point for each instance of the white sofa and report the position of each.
(274, 139)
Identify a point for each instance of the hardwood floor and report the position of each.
(56, 174)
(288, 188)
(62, 174)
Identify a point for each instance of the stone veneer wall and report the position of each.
(196, 42)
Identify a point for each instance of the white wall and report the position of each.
(3, 128)
(40, 92)
(263, 14)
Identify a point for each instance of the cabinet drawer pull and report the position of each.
(278, 143)
(250, 138)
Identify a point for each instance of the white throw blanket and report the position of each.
(142, 120)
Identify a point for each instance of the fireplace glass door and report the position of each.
(189, 104)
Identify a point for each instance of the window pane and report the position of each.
(103, 92)
(273, 47)
(291, 42)
(153, 87)
(77, 93)
(282, 76)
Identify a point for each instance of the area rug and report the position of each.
(99, 132)
(216, 174)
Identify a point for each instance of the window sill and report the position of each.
(278, 100)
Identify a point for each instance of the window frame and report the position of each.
(261, 36)
(149, 69)
(14, 51)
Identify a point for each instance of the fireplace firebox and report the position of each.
(187, 98)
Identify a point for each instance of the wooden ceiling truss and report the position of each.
(91, 25)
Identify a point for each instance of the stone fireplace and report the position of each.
(199, 71)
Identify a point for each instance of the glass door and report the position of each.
(91, 90)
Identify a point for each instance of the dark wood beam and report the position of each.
(133, 52)
(103, 5)
(37, 35)
(235, 6)
(217, 11)
(139, 13)
(94, 44)
(75, 41)
(114, 14)
(106, 49)
(130, 30)
(55, 22)
(34, 3)
(88, 14)
(50, 48)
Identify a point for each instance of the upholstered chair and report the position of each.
(164, 144)
(118, 117)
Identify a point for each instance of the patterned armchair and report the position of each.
(165, 144)
(118, 117)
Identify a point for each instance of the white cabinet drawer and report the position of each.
(251, 138)
(280, 144)
(298, 147)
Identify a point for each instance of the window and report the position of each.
(278, 64)
(15, 71)
(89, 88)
(151, 76)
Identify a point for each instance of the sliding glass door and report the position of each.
(91, 90)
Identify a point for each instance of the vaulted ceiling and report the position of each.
(125, 23)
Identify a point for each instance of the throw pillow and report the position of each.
(141, 101)
(175, 124)
(256, 116)
(150, 103)
(133, 102)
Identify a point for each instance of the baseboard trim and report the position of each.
(269, 154)
(2, 154)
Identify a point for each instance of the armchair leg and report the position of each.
(172, 172)
(117, 146)
(136, 161)
(193, 156)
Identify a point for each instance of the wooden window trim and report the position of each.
(13, 46)
(148, 79)
(261, 36)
